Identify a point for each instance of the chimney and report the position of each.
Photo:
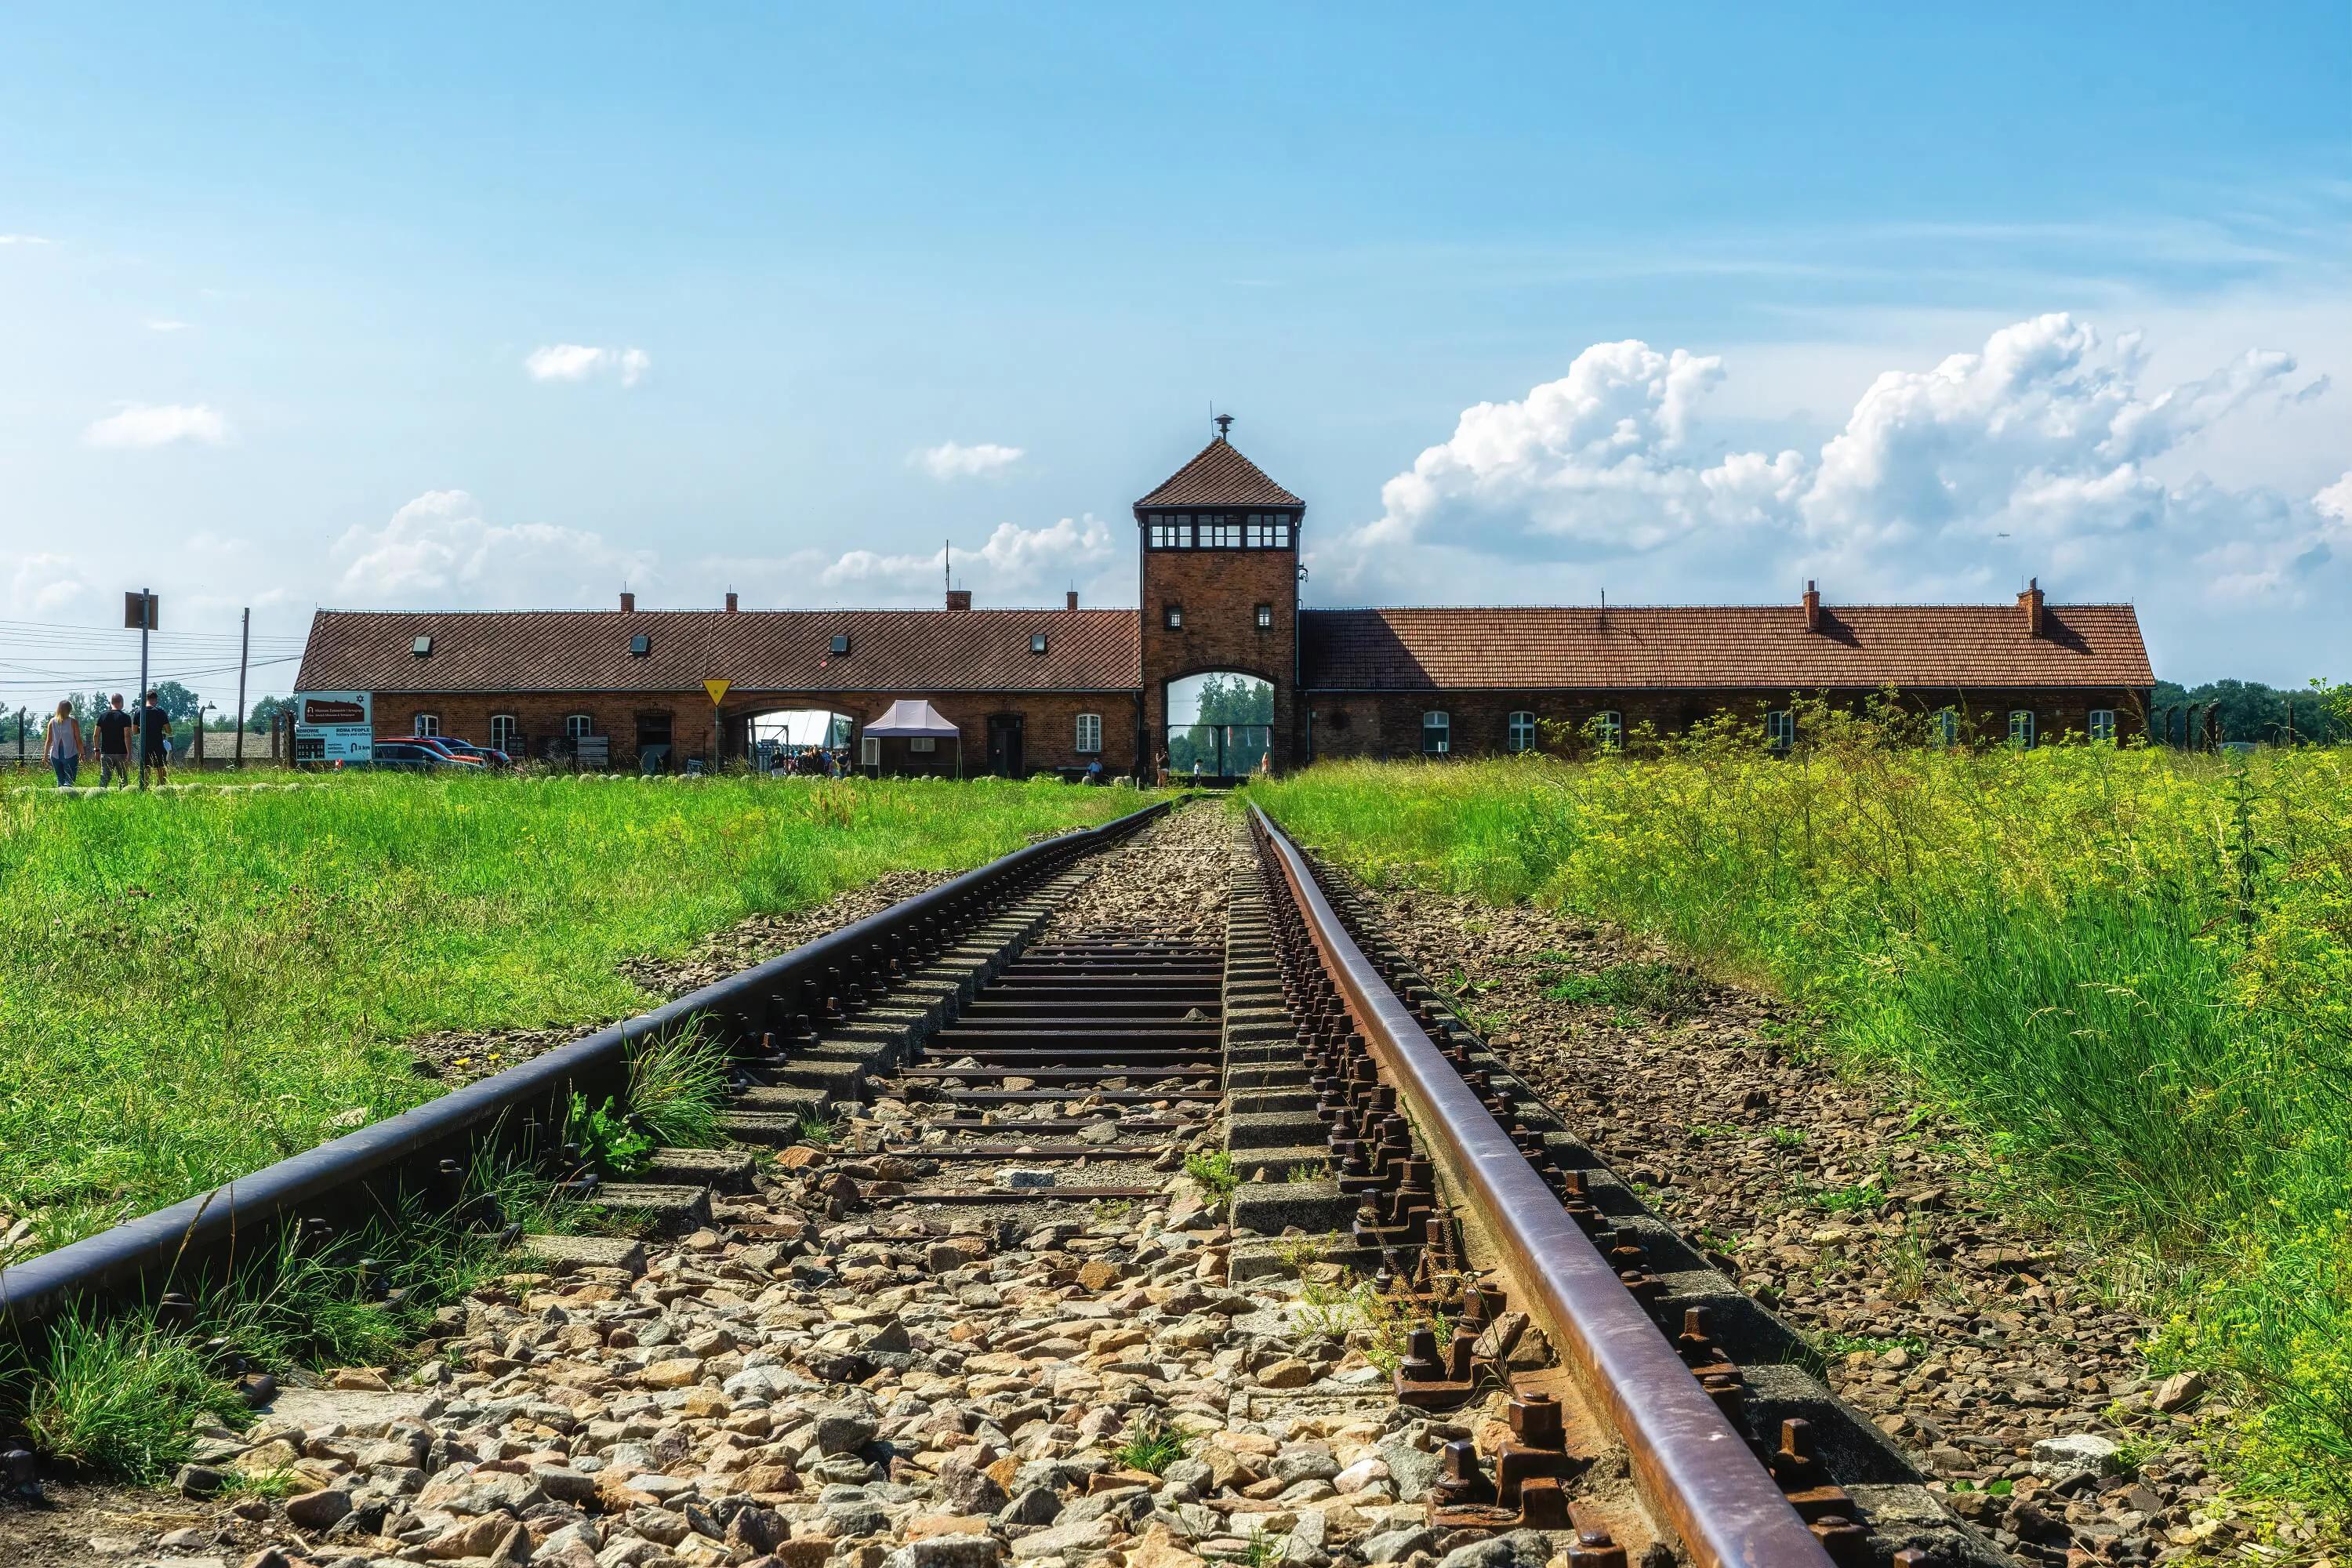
(1070, 600)
(959, 599)
(1812, 605)
(731, 605)
(2031, 602)
(629, 603)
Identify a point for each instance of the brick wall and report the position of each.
(1388, 724)
(1220, 591)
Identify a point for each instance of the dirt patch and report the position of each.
(1969, 1334)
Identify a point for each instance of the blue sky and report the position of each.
(441, 308)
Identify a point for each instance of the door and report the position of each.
(1005, 745)
(654, 742)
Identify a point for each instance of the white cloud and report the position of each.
(953, 460)
(159, 425)
(437, 552)
(47, 587)
(1015, 565)
(2036, 454)
(578, 362)
(22, 239)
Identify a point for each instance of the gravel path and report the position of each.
(1967, 1333)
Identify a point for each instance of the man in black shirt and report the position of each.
(113, 745)
(154, 742)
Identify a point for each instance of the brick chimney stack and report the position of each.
(958, 598)
(1070, 600)
(731, 605)
(629, 603)
(1812, 605)
(2031, 602)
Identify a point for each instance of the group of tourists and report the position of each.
(146, 730)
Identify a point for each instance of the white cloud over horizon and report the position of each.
(954, 461)
(138, 425)
(439, 553)
(2037, 454)
(579, 362)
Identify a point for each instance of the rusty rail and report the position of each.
(1694, 1468)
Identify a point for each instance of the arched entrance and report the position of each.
(1220, 725)
(799, 740)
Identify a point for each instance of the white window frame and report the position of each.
(427, 726)
(2021, 728)
(1519, 731)
(2103, 724)
(1609, 728)
(579, 726)
(1263, 617)
(1269, 532)
(1171, 618)
(923, 744)
(1780, 729)
(1944, 726)
(1220, 533)
(869, 750)
(1171, 534)
(506, 732)
(1436, 734)
(1088, 740)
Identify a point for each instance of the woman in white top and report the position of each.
(62, 744)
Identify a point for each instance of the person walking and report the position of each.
(114, 729)
(154, 742)
(63, 745)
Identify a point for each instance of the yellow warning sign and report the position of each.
(718, 691)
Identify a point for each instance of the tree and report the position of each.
(179, 704)
(2249, 710)
(264, 713)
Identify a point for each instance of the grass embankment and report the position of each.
(202, 982)
(2130, 973)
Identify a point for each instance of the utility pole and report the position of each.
(244, 652)
(139, 610)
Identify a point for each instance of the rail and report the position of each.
(1692, 1465)
(788, 996)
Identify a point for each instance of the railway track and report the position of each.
(1034, 1186)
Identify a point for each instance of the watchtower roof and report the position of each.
(1219, 476)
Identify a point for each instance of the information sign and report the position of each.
(334, 727)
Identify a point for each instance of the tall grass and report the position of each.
(199, 983)
(2130, 973)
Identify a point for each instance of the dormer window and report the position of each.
(422, 647)
(640, 646)
(840, 642)
(1036, 642)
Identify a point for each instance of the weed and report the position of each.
(1848, 1200)
(678, 1083)
(1152, 1444)
(1214, 1172)
(1716, 1130)
(607, 1139)
(1904, 1264)
(816, 1127)
(1299, 1175)
(1661, 989)
(1301, 1252)
(1787, 1137)
(123, 1397)
(270, 1486)
(1112, 1208)
(1833, 1345)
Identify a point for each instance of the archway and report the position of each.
(1220, 725)
(796, 739)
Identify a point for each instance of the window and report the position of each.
(1268, 531)
(1221, 533)
(1943, 728)
(640, 646)
(1171, 534)
(840, 642)
(422, 647)
(1781, 729)
(1265, 617)
(1089, 733)
(428, 724)
(922, 742)
(1519, 734)
(506, 732)
(1608, 730)
(1436, 734)
(869, 750)
(2021, 726)
(1175, 618)
(1036, 642)
(577, 726)
(2102, 724)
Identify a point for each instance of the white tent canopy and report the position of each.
(912, 718)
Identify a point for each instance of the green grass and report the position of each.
(1214, 1172)
(1152, 1444)
(2127, 975)
(199, 983)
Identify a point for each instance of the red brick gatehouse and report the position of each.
(1217, 567)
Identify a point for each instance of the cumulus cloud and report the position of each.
(46, 587)
(953, 460)
(159, 425)
(1016, 563)
(439, 552)
(2038, 452)
(579, 362)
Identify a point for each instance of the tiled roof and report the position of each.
(1759, 646)
(1220, 476)
(913, 652)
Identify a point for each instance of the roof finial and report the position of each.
(1224, 423)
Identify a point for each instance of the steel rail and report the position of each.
(147, 1250)
(1687, 1458)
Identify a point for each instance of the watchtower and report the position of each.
(1219, 573)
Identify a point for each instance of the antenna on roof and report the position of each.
(1224, 423)
(947, 563)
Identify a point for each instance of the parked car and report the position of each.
(414, 756)
(488, 756)
(444, 748)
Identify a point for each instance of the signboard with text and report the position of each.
(334, 727)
